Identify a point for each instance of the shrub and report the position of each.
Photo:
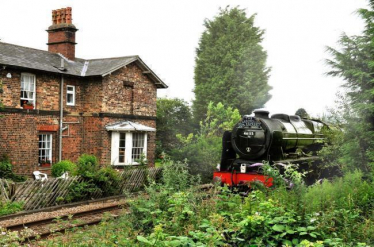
(96, 180)
(6, 170)
(63, 166)
(107, 180)
(87, 165)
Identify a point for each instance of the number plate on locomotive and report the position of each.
(249, 133)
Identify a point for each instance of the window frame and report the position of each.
(34, 88)
(50, 149)
(70, 92)
(115, 147)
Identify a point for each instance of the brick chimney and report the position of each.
(61, 35)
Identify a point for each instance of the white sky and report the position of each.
(165, 33)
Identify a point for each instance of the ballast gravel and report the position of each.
(58, 213)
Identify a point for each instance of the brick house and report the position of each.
(104, 107)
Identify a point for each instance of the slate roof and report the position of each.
(25, 57)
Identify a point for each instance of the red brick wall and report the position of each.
(86, 133)
(19, 139)
(118, 98)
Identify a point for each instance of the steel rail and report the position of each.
(20, 226)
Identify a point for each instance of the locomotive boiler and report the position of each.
(279, 138)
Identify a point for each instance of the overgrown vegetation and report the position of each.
(10, 207)
(176, 213)
(97, 179)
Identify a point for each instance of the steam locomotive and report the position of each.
(280, 138)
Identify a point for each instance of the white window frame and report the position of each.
(128, 148)
(48, 149)
(33, 99)
(72, 92)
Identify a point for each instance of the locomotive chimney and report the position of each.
(61, 34)
(261, 113)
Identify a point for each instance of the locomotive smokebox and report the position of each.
(261, 113)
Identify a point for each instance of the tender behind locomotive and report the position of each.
(280, 137)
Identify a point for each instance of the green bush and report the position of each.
(107, 180)
(96, 180)
(87, 165)
(63, 166)
(6, 170)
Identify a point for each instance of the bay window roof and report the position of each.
(128, 126)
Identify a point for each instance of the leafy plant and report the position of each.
(87, 165)
(96, 180)
(10, 207)
(63, 166)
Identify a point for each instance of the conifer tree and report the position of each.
(231, 64)
(354, 62)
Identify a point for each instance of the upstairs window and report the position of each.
(70, 95)
(28, 89)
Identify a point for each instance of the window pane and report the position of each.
(70, 98)
(137, 146)
(27, 88)
(122, 149)
(45, 147)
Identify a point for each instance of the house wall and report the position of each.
(99, 101)
(19, 138)
(138, 97)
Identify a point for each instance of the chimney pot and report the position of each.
(68, 15)
(61, 35)
(54, 15)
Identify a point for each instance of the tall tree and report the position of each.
(231, 64)
(173, 117)
(354, 62)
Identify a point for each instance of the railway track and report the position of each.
(37, 224)
(32, 226)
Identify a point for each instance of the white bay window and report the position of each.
(129, 142)
(128, 147)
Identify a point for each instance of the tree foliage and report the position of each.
(301, 112)
(231, 64)
(354, 62)
(203, 150)
(173, 117)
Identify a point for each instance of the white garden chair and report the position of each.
(65, 175)
(40, 176)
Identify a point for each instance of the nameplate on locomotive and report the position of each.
(250, 122)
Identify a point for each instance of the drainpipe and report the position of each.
(61, 112)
